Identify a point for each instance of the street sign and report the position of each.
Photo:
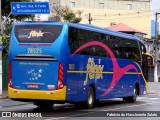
(30, 8)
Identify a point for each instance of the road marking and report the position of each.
(154, 98)
(15, 105)
(153, 93)
(147, 98)
(99, 111)
(129, 106)
(10, 108)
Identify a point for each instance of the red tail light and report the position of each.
(60, 77)
(10, 75)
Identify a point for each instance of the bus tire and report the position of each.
(132, 98)
(44, 104)
(90, 98)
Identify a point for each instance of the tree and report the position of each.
(5, 41)
(158, 37)
(6, 9)
(66, 14)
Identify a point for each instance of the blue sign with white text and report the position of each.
(30, 8)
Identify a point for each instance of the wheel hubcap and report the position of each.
(135, 93)
(90, 99)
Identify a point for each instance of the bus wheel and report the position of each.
(132, 98)
(44, 104)
(90, 98)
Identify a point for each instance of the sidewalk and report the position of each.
(153, 88)
(4, 94)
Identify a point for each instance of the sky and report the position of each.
(155, 7)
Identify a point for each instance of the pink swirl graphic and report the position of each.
(118, 72)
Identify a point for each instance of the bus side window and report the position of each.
(131, 50)
(117, 53)
(116, 46)
(125, 55)
(72, 39)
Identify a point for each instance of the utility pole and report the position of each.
(156, 47)
(0, 51)
(89, 19)
(0, 22)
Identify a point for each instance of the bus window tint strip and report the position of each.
(37, 33)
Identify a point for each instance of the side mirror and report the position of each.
(149, 59)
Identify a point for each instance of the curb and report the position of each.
(3, 97)
(153, 92)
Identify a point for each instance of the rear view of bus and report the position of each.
(36, 63)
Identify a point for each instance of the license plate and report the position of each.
(33, 86)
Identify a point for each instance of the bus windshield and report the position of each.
(37, 33)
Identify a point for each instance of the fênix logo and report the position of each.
(35, 34)
(94, 71)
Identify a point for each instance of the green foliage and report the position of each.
(69, 17)
(66, 14)
(158, 37)
(77, 20)
(7, 29)
(5, 42)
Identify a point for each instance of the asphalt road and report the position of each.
(147, 107)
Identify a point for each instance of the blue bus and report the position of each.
(52, 62)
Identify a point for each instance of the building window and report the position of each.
(73, 4)
(56, 4)
(101, 5)
(129, 6)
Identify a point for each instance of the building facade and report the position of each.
(151, 49)
(134, 13)
(153, 28)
